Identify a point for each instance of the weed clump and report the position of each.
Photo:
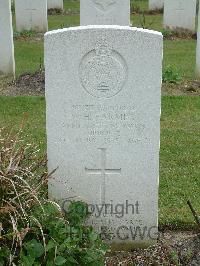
(171, 75)
(34, 230)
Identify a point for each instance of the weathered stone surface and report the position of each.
(105, 12)
(31, 15)
(180, 14)
(103, 125)
(7, 61)
(156, 4)
(58, 4)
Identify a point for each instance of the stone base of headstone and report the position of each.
(156, 5)
(55, 4)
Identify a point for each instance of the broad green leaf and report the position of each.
(60, 260)
(26, 261)
(34, 248)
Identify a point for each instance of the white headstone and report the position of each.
(198, 48)
(180, 14)
(7, 61)
(105, 12)
(31, 15)
(156, 4)
(55, 4)
(103, 88)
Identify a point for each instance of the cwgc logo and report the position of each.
(103, 71)
(104, 4)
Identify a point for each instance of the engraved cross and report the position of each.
(180, 7)
(31, 12)
(103, 171)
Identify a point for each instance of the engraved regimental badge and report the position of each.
(104, 5)
(103, 72)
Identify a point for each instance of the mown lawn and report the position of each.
(14, 110)
(182, 55)
(29, 55)
(179, 53)
(179, 157)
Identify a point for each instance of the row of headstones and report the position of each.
(30, 15)
(33, 15)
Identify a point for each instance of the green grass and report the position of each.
(60, 21)
(179, 157)
(13, 110)
(28, 56)
(141, 4)
(180, 53)
(73, 5)
(152, 22)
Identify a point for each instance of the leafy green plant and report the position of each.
(64, 243)
(171, 75)
(167, 33)
(55, 11)
(178, 34)
(34, 230)
(24, 34)
(174, 256)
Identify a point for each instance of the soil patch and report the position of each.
(30, 36)
(178, 34)
(174, 248)
(26, 84)
(55, 11)
(135, 10)
(34, 84)
(191, 88)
